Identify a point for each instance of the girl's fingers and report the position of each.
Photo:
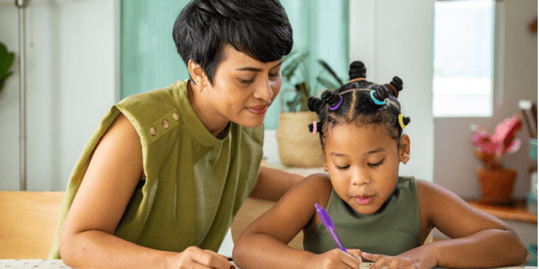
(378, 260)
(356, 253)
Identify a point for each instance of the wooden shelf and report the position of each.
(514, 211)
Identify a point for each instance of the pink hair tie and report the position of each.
(314, 127)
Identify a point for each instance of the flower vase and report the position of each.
(496, 184)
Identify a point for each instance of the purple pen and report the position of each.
(329, 225)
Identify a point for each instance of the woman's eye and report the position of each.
(246, 81)
(275, 75)
(376, 164)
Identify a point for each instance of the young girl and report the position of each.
(374, 210)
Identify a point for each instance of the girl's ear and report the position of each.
(326, 165)
(404, 150)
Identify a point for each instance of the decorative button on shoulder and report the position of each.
(176, 116)
(165, 123)
(153, 132)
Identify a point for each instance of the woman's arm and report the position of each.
(87, 238)
(479, 239)
(272, 184)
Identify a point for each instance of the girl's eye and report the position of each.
(376, 164)
(342, 168)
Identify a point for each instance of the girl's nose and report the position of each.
(359, 178)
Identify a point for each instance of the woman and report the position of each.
(163, 176)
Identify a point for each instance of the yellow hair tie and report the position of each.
(401, 122)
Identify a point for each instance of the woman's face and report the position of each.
(244, 87)
(364, 162)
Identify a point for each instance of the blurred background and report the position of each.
(462, 62)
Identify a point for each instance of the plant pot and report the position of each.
(496, 184)
(298, 146)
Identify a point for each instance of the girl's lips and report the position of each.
(258, 110)
(363, 200)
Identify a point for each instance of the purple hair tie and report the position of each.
(314, 127)
(337, 106)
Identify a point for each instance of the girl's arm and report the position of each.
(263, 244)
(87, 238)
(479, 239)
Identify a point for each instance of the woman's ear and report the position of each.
(404, 150)
(197, 73)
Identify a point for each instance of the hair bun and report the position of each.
(357, 70)
(397, 83)
(331, 98)
(406, 120)
(315, 104)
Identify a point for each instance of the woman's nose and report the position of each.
(264, 91)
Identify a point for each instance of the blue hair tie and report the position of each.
(376, 101)
(337, 106)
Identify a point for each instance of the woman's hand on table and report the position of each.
(417, 258)
(195, 257)
(336, 259)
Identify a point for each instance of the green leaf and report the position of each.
(327, 84)
(5, 62)
(288, 71)
(330, 70)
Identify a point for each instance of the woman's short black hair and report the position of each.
(258, 28)
(357, 104)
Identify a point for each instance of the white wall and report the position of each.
(395, 38)
(71, 84)
(454, 160)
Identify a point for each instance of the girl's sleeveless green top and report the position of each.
(393, 229)
(195, 183)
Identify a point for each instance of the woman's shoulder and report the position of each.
(154, 99)
(153, 113)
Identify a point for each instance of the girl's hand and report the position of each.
(336, 259)
(417, 258)
(196, 258)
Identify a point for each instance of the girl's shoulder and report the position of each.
(321, 188)
(319, 185)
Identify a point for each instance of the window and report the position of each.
(463, 58)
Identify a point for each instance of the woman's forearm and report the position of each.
(488, 248)
(97, 249)
(262, 251)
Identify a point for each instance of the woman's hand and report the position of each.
(417, 258)
(336, 259)
(196, 258)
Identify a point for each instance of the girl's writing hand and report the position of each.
(195, 257)
(336, 259)
(417, 258)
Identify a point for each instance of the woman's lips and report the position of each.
(364, 200)
(258, 110)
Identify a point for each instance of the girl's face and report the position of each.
(243, 88)
(364, 162)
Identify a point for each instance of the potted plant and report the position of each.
(496, 181)
(296, 146)
(6, 60)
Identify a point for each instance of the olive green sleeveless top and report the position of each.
(393, 229)
(195, 183)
